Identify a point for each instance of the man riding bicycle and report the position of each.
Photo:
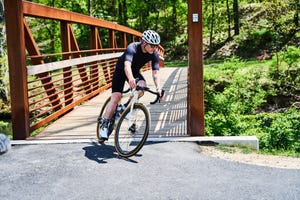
(128, 66)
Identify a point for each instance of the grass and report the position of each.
(281, 153)
(235, 149)
(226, 149)
(179, 63)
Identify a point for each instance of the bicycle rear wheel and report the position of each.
(132, 130)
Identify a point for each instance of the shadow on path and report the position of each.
(100, 153)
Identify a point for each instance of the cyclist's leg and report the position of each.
(117, 87)
(141, 82)
(111, 106)
(118, 82)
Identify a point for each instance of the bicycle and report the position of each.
(132, 126)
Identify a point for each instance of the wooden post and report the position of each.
(94, 44)
(111, 38)
(66, 47)
(17, 68)
(195, 105)
(124, 41)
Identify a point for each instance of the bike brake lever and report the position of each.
(162, 94)
(158, 97)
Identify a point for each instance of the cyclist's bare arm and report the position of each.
(128, 72)
(156, 79)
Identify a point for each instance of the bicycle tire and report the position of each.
(99, 122)
(128, 142)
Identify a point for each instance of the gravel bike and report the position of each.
(131, 125)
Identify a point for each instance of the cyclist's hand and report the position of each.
(132, 83)
(161, 94)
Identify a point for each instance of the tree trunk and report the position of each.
(236, 17)
(212, 24)
(296, 16)
(228, 19)
(174, 28)
(90, 7)
(1, 11)
(125, 16)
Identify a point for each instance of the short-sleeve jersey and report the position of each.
(138, 59)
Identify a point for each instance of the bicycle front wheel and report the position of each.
(132, 130)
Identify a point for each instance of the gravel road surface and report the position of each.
(167, 170)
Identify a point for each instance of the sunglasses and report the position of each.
(153, 46)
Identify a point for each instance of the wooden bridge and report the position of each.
(72, 84)
(168, 118)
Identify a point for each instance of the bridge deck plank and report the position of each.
(168, 118)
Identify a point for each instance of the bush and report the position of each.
(292, 56)
(283, 131)
(237, 106)
(5, 127)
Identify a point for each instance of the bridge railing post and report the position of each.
(17, 68)
(195, 105)
(66, 47)
(95, 43)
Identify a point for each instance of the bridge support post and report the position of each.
(195, 105)
(17, 68)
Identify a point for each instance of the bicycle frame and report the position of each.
(132, 125)
(135, 95)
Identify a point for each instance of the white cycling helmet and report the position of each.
(151, 37)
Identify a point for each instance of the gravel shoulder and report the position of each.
(236, 155)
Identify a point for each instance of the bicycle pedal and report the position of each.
(102, 140)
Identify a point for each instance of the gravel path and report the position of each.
(236, 154)
(171, 170)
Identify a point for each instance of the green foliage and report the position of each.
(283, 132)
(183, 63)
(4, 80)
(237, 98)
(292, 56)
(276, 131)
(263, 24)
(168, 18)
(226, 149)
(284, 74)
(5, 127)
(255, 40)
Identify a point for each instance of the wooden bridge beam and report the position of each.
(195, 105)
(95, 43)
(17, 68)
(67, 47)
(33, 50)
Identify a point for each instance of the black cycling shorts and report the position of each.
(119, 79)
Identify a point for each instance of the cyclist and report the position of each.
(128, 66)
